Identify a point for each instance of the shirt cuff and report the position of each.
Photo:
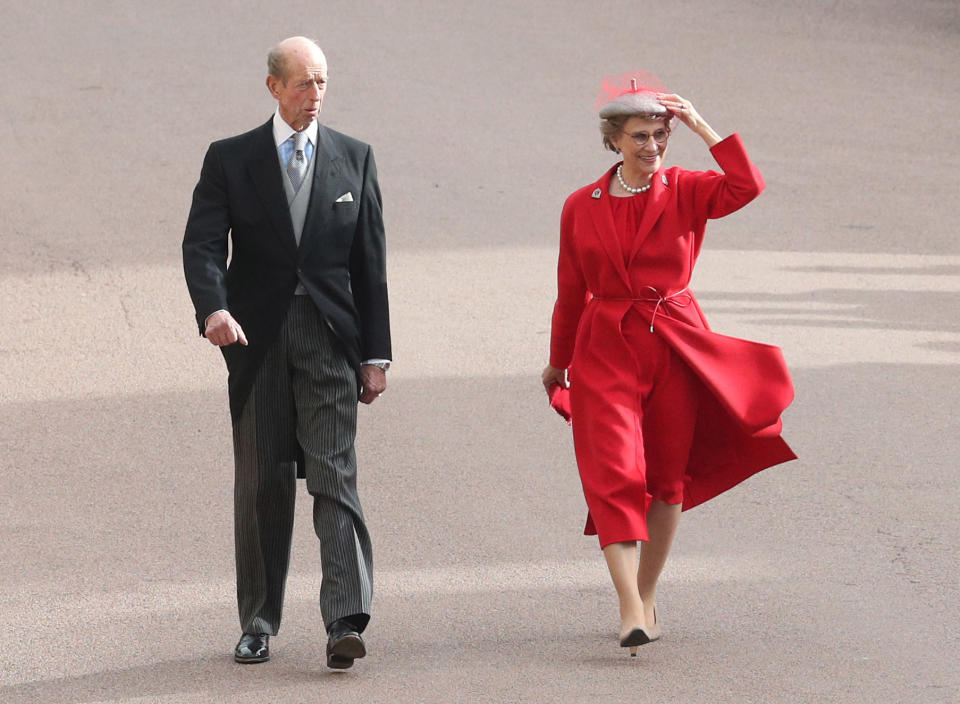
(222, 310)
(376, 361)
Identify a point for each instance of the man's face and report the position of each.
(300, 94)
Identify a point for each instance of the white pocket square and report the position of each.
(345, 198)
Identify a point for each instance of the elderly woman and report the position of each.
(666, 414)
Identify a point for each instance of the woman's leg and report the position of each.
(622, 563)
(662, 522)
(669, 422)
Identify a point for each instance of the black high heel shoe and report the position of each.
(638, 636)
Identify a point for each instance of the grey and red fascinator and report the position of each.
(632, 94)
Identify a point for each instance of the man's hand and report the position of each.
(223, 330)
(373, 381)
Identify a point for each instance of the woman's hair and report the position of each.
(639, 103)
(610, 126)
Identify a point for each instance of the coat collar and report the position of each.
(656, 201)
(601, 213)
(268, 181)
(602, 216)
(329, 163)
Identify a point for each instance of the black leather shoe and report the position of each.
(344, 646)
(251, 648)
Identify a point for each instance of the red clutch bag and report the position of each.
(560, 400)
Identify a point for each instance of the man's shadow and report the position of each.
(214, 673)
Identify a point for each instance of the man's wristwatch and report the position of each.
(382, 366)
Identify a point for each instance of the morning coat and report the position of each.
(240, 208)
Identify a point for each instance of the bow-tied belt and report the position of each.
(658, 300)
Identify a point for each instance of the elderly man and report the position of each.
(297, 304)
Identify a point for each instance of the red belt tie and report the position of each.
(659, 300)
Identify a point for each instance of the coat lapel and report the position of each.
(656, 202)
(329, 163)
(601, 213)
(268, 181)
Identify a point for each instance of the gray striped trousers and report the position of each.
(305, 394)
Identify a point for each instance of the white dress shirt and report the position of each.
(282, 132)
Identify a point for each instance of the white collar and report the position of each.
(282, 131)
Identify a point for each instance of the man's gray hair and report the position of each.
(276, 63)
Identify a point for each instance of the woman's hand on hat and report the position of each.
(689, 116)
(682, 108)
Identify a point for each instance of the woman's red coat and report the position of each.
(746, 384)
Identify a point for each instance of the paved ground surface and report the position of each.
(831, 579)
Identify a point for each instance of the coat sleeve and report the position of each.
(716, 194)
(205, 240)
(368, 268)
(571, 294)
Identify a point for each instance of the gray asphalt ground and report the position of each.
(830, 579)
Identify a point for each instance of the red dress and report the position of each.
(679, 413)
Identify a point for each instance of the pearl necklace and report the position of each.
(623, 183)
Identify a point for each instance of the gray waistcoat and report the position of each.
(299, 201)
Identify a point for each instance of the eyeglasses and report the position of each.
(641, 138)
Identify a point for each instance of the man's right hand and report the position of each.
(223, 330)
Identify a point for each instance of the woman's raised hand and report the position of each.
(552, 375)
(689, 116)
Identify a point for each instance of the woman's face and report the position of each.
(642, 142)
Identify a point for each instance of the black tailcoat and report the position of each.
(240, 253)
